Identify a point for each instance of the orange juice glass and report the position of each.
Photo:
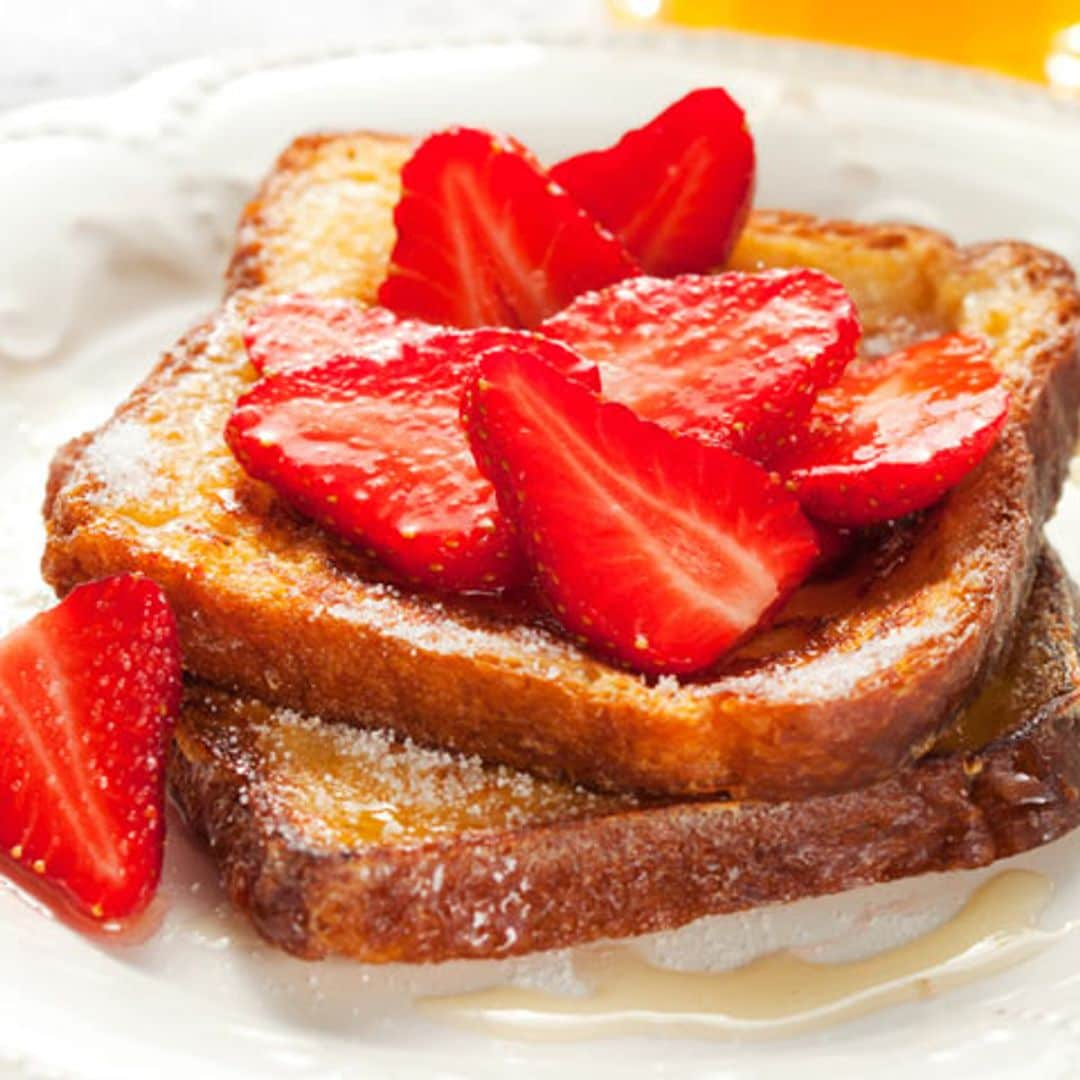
(1036, 39)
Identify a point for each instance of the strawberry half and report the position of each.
(660, 552)
(735, 359)
(299, 331)
(893, 435)
(676, 191)
(484, 238)
(89, 692)
(376, 452)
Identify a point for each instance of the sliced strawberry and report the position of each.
(486, 239)
(676, 191)
(893, 435)
(835, 547)
(660, 552)
(299, 331)
(89, 692)
(736, 359)
(376, 452)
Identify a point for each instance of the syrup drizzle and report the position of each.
(774, 996)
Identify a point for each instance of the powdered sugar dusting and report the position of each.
(840, 672)
(125, 460)
(386, 608)
(352, 786)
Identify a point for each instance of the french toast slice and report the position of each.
(855, 678)
(347, 842)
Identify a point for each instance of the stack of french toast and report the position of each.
(392, 770)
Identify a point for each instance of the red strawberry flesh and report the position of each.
(484, 238)
(300, 331)
(660, 552)
(895, 434)
(734, 358)
(676, 191)
(89, 692)
(375, 451)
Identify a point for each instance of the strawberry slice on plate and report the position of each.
(660, 552)
(734, 358)
(89, 693)
(485, 238)
(676, 191)
(894, 434)
(375, 451)
(300, 331)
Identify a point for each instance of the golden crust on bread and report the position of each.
(337, 841)
(320, 222)
(856, 678)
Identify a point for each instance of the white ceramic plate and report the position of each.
(116, 215)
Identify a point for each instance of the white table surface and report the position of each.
(70, 48)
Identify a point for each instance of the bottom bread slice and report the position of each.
(344, 842)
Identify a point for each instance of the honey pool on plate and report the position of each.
(774, 996)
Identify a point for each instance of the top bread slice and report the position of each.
(857, 675)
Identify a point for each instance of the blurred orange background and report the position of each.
(1034, 39)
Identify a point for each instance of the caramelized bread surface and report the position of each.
(340, 841)
(856, 678)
